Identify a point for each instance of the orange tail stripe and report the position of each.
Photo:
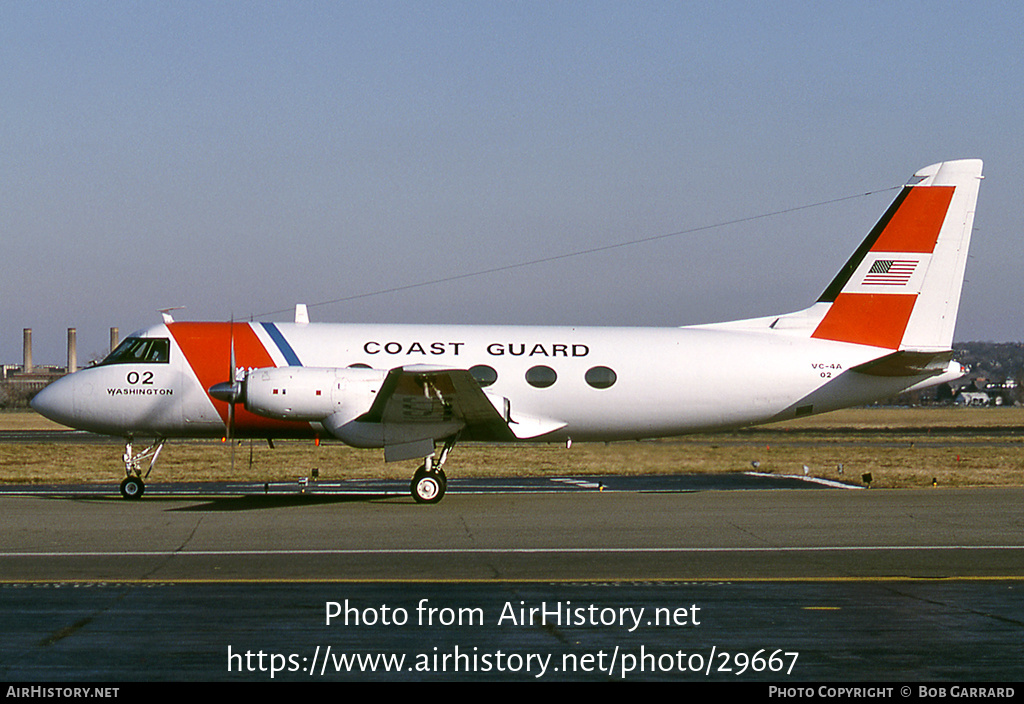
(872, 319)
(915, 226)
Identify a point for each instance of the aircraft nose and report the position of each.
(56, 401)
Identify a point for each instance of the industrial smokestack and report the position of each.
(114, 335)
(72, 350)
(27, 350)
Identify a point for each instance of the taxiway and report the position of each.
(236, 585)
(575, 535)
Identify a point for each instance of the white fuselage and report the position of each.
(667, 381)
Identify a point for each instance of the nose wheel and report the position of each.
(133, 488)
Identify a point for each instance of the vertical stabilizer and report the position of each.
(901, 288)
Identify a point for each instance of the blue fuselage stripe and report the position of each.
(282, 344)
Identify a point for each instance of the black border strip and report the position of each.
(834, 288)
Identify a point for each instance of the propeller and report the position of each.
(231, 392)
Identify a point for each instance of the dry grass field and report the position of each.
(899, 447)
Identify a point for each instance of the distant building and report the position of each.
(17, 386)
(972, 398)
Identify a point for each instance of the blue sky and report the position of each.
(238, 157)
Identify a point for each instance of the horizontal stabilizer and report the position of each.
(907, 363)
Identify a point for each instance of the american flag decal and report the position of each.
(890, 272)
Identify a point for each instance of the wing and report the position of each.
(453, 401)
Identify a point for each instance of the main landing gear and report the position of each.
(133, 486)
(429, 482)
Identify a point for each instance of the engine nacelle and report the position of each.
(311, 393)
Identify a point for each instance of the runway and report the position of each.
(857, 584)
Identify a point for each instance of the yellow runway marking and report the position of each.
(631, 581)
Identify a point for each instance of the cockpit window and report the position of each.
(141, 350)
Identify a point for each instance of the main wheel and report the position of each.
(133, 488)
(428, 487)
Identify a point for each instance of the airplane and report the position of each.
(883, 326)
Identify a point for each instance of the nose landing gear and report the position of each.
(133, 486)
